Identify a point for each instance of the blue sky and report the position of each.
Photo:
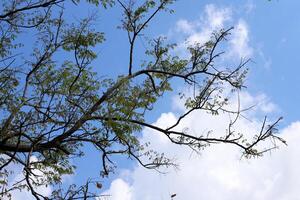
(268, 33)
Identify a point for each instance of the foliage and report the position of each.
(52, 102)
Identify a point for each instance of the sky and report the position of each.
(267, 32)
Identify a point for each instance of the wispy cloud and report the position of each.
(240, 41)
(249, 6)
(214, 19)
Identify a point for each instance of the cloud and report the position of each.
(185, 26)
(260, 104)
(218, 173)
(19, 175)
(119, 189)
(199, 31)
(249, 6)
(266, 60)
(214, 19)
(239, 42)
(45, 190)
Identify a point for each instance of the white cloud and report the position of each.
(267, 61)
(199, 31)
(239, 42)
(249, 6)
(24, 194)
(19, 175)
(218, 173)
(260, 104)
(119, 189)
(185, 26)
(214, 19)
